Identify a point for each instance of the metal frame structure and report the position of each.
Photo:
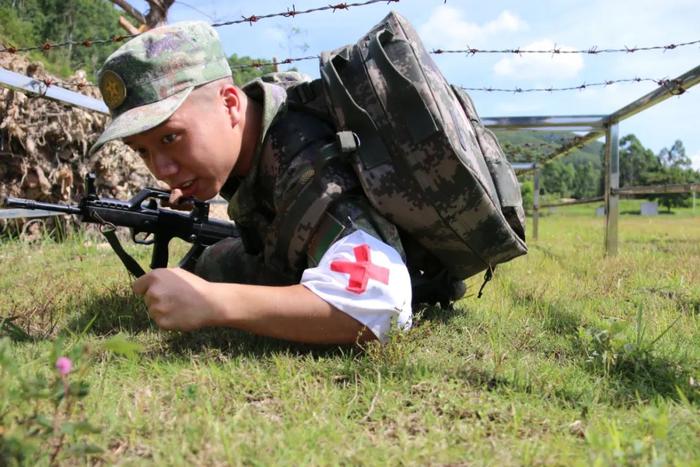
(595, 127)
(22, 83)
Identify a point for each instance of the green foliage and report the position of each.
(580, 173)
(248, 73)
(585, 182)
(41, 418)
(517, 377)
(527, 190)
(32, 22)
(13, 28)
(636, 162)
(557, 178)
(673, 167)
(577, 174)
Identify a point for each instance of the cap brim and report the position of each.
(140, 119)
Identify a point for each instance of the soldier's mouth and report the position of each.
(188, 188)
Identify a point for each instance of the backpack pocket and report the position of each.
(501, 171)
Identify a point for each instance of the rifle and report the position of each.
(143, 215)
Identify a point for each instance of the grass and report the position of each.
(569, 358)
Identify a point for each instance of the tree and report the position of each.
(557, 178)
(243, 70)
(674, 168)
(33, 22)
(636, 161)
(675, 157)
(527, 191)
(585, 182)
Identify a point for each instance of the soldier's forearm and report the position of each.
(291, 313)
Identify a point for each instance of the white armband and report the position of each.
(365, 278)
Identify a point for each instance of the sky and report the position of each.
(506, 24)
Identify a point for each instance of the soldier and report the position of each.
(173, 101)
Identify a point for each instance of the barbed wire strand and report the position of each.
(594, 50)
(289, 13)
(675, 86)
(293, 12)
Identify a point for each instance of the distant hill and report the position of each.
(528, 145)
(578, 174)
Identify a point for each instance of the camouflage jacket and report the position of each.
(286, 169)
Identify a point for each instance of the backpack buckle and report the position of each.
(347, 141)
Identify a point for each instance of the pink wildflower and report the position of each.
(63, 365)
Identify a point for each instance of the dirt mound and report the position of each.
(44, 144)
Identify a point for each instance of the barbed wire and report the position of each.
(293, 12)
(286, 61)
(675, 86)
(289, 13)
(594, 50)
(260, 64)
(46, 46)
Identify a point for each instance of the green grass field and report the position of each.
(569, 358)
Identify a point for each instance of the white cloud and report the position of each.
(696, 161)
(535, 66)
(446, 28)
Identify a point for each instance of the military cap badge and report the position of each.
(113, 89)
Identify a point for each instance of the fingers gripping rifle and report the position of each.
(143, 215)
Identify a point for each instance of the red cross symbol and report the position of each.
(361, 271)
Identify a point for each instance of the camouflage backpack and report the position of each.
(424, 160)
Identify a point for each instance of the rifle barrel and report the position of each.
(11, 202)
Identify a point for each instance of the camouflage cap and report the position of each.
(147, 79)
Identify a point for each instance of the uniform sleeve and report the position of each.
(366, 279)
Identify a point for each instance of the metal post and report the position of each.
(612, 184)
(536, 205)
(22, 83)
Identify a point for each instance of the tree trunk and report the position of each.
(158, 13)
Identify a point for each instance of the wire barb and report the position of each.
(250, 19)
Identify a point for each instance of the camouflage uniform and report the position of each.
(147, 79)
(285, 163)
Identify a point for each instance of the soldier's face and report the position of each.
(194, 150)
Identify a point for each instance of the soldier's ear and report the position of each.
(231, 96)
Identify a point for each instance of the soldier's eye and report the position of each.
(169, 138)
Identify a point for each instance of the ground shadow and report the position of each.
(115, 310)
(119, 310)
(233, 343)
(436, 313)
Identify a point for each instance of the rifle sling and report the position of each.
(130, 263)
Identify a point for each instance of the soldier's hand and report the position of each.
(176, 201)
(176, 299)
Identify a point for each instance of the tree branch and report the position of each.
(128, 27)
(130, 10)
